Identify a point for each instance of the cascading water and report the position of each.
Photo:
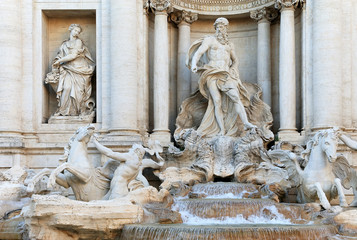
(227, 232)
(224, 204)
(223, 213)
(223, 189)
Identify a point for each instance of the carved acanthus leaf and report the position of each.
(264, 13)
(146, 6)
(160, 5)
(281, 4)
(303, 3)
(183, 16)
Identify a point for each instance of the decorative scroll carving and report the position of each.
(264, 13)
(183, 16)
(159, 6)
(219, 6)
(281, 4)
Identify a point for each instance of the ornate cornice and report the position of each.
(284, 4)
(160, 6)
(220, 7)
(183, 16)
(264, 13)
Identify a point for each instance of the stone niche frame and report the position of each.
(46, 13)
(55, 31)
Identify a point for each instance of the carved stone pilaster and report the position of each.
(286, 4)
(183, 17)
(161, 6)
(264, 14)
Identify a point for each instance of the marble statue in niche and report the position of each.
(71, 75)
(215, 59)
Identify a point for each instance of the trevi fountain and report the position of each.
(178, 120)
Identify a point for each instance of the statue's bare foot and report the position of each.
(248, 126)
(51, 181)
(343, 203)
(354, 203)
(221, 133)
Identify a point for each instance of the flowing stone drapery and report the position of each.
(264, 16)
(327, 63)
(124, 72)
(287, 77)
(183, 19)
(11, 68)
(161, 130)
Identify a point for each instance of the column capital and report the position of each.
(266, 14)
(146, 6)
(303, 3)
(286, 4)
(161, 6)
(187, 17)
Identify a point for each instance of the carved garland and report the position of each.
(219, 5)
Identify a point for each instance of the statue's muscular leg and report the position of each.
(217, 102)
(233, 94)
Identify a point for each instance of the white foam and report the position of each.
(274, 218)
(226, 195)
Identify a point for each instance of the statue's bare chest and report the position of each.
(219, 51)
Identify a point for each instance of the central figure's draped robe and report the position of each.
(225, 81)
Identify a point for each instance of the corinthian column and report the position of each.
(306, 67)
(327, 63)
(287, 77)
(11, 68)
(354, 67)
(264, 16)
(143, 67)
(124, 73)
(183, 19)
(161, 71)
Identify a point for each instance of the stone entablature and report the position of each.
(215, 7)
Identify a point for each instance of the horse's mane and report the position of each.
(64, 158)
(314, 142)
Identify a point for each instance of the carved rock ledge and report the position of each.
(57, 217)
